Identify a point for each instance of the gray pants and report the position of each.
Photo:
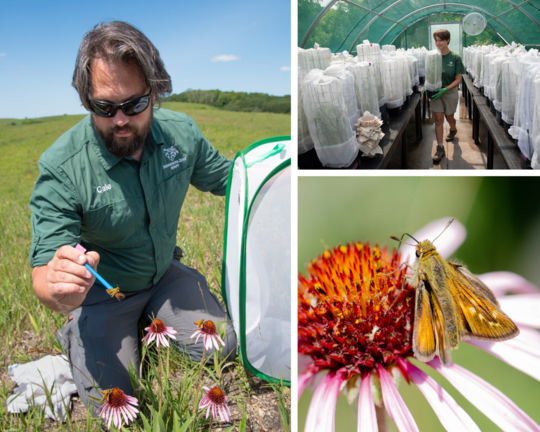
(102, 338)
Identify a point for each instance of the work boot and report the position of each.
(439, 155)
(451, 134)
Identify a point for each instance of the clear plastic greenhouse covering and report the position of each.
(256, 274)
(342, 24)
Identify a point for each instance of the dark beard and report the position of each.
(127, 146)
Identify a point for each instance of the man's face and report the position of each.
(122, 135)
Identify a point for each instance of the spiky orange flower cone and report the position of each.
(355, 310)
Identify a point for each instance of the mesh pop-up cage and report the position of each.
(256, 274)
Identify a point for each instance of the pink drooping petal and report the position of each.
(322, 410)
(208, 410)
(451, 415)
(446, 244)
(395, 406)
(367, 418)
(170, 330)
(303, 379)
(507, 282)
(220, 340)
(198, 332)
(524, 309)
(492, 402)
(522, 352)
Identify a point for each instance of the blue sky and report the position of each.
(206, 44)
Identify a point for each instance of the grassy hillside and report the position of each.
(25, 324)
(21, 144)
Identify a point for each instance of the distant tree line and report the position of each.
(235, 101)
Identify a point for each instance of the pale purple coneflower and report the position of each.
(209, 333)
(160, 332)
(117, 408)
(361, 335)
(216, 401)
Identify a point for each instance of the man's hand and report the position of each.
(62, 284)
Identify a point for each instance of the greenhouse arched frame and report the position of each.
(343, 24)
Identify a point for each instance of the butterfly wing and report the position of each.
(424, 338)
(480, 314)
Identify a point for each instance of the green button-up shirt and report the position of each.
(125, 210)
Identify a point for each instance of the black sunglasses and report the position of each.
(129, 108)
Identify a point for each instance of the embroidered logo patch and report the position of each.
(451, 64)
(171, 153)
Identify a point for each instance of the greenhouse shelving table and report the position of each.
(394, 131)
(477, 106)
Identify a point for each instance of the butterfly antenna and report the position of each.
(447, 225)
(401, 240)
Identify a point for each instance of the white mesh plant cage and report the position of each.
(420, 54)
(313, 58)
(535, 138)
(372, 53)
(478, 69)
(305, 142)
(388, 48)
(526, 110)
(413, 67)
(433, 70)
(328, 120)
(509, 84)
(256, 273)
(339, 71)
(366, 89)
(496, 81)
(392, 84)
(519, 67)
(404, 74)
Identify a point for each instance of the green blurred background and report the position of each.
(502, 218)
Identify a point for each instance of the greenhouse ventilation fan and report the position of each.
(474, 24)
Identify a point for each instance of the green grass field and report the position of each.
(25, 324)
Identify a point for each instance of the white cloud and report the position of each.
(285, 68)
(224, 58)
(186, 80)
(3, 54)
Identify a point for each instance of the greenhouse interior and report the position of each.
(369, 76)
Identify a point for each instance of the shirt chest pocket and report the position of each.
(173, 192)
(117, 224)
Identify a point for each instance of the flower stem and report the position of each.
(381, 418)
(198, 387)
(211, 421)
(160, 380)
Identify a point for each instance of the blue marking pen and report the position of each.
(111, 291)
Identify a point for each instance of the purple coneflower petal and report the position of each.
(492, 402)
(506, 282)
(220, 340)
(208, 410)
(446, 245)
(195, 334)
(451, 415)
(522, 352)
(396, 408)
(367, 418)
(524, 309)
(322, 410)
(303, 379)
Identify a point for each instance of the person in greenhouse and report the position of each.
(444, 101)
(115, 183)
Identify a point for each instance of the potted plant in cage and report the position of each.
(433, 71)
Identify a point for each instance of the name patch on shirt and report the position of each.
(103, 188)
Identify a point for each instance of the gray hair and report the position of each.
(120, 42)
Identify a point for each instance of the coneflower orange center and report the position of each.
(216, 395)
(209, 327)
(157, 326)
(117, 398)
(355, 309)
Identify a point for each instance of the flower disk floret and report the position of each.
(355, 309)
